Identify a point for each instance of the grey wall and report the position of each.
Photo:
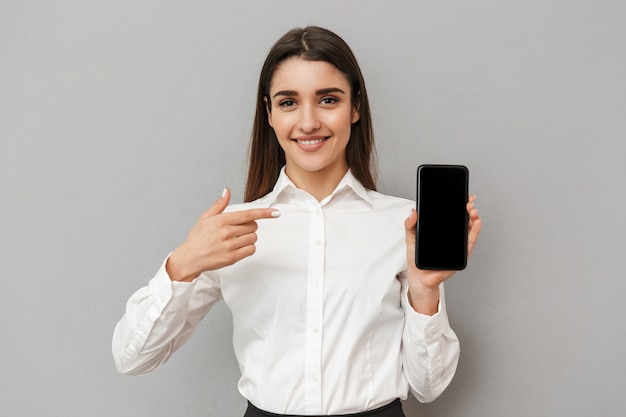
(120, 122)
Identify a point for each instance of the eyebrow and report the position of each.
(290, 93)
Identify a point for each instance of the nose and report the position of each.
(309, 119)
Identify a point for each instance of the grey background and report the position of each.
(121, 121)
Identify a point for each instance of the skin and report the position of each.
(217, 240)
(310, 103)
(312, 115)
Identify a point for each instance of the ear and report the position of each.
(355, 110)
(268, 109)
(355, 115)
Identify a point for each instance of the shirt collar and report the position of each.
(284, 185)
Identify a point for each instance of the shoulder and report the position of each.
(384, 201)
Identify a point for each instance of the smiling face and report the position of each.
(311, 112)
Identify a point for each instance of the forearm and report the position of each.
(159, 318)
(143, 338)
(131, 353)
(430, 351)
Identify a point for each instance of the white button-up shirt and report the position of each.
(322, 322)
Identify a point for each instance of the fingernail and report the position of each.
(276, 213)
(224, 193)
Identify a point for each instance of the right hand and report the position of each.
(217, 239)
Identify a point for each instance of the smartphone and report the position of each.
(442, 219)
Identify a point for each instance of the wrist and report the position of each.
(424, 300)
(177, 269)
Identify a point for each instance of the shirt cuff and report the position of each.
(422, 328)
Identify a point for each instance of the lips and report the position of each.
(310, 143)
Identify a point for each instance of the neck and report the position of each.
(320, 184)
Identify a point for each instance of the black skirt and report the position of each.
(393, 409)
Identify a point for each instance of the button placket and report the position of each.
(314, 311)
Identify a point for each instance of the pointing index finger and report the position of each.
(250, 215)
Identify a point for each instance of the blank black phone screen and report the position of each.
(442, 195)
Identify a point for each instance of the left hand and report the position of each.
(424, 285)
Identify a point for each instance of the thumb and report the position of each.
(409, 225)
(219, 205)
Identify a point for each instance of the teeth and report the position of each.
(310, 142)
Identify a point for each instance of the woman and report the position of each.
(330, 314)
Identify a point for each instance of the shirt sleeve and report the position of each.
(430, 350)
(159, 319)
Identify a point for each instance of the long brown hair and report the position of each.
(266, 157)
